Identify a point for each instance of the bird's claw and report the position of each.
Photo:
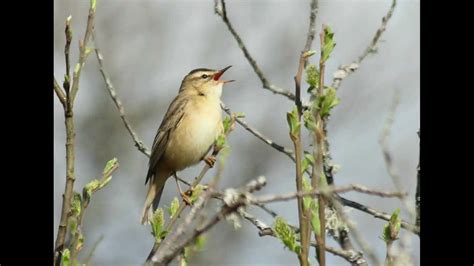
(210, 160)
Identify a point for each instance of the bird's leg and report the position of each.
(184, 195)
(210, 160)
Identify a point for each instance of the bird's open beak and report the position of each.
(219, 74)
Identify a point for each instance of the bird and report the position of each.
(187, 132)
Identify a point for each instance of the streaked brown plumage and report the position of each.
(187, 132)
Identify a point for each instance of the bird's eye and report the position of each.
(204, 76)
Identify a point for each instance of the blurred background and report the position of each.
(148, 47)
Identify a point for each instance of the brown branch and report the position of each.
(222, 12)
(378, 214)
(59, 93)
(303, 215)
(172, 248)
(346, 70)
(118, 103)
(88, 259)
(260, 136)
(327, 192)
(355, 258)
(312, 25)
(83, 50)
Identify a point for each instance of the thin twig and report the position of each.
(113, 94)
(70, 133)
(378, 214)
(354, 231)
(346, 70)
(59, 93)
(222, 12)
(329, 191)
(256, 133)
(355, 258)
(88, 259)
(312, 25)
(384, 141)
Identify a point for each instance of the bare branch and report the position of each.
(384, 141)
(70, 132)
(59, 93)
(222, 12)
(312, 25)
(378, 214)
(113, 94)
(329, 191)
(346, 70)
(260, 136)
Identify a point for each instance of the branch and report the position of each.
(378, 214)
(88, 259)
(59, 93)
(355, 258)
(346, 70)
(222, 12)
(83, 50)
(253, 131)
(232, 201)
(327, 192)
(312, 25)
(383, 141)
(113, 94)
(70, 133)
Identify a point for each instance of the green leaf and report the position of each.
(315, 222)
(76, 204)
(328, 43)
(93, 4)
(221, 141)
(308, 199)
(226, 123)
(73, 225)
(240, 115)
(326, 102)
(284, 232)
(308, 119)
(312, 76)
(173, 207)
(77, 68)
(392, 228)
(196, 193)
(109, 166)
(200, 242)
(80, 242)
(65, 258)
(309, 53)
(293, 123)
(157, 222)
(89, 188)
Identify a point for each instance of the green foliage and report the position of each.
(80, 242)
(392, 228)
(308, 161)
(196, 193)
(284, 232)
(308, 119)
(326, 102)
(310, 202)
(65, 258)
(315, 221)
(328, 43)
(76, 204)
(93, 4)
(174, 206)
(157, 222)
(240, 115)
(221, 141)
(95, 184)
(312, 77)
(309, 53)
(293, 123)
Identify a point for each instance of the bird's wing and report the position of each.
(171, 120)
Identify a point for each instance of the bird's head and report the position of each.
(204, 82)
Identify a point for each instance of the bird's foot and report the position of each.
(210, 160)
(186, 196)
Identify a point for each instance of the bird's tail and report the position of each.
(155, 189)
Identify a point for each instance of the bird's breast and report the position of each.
(195, 134)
